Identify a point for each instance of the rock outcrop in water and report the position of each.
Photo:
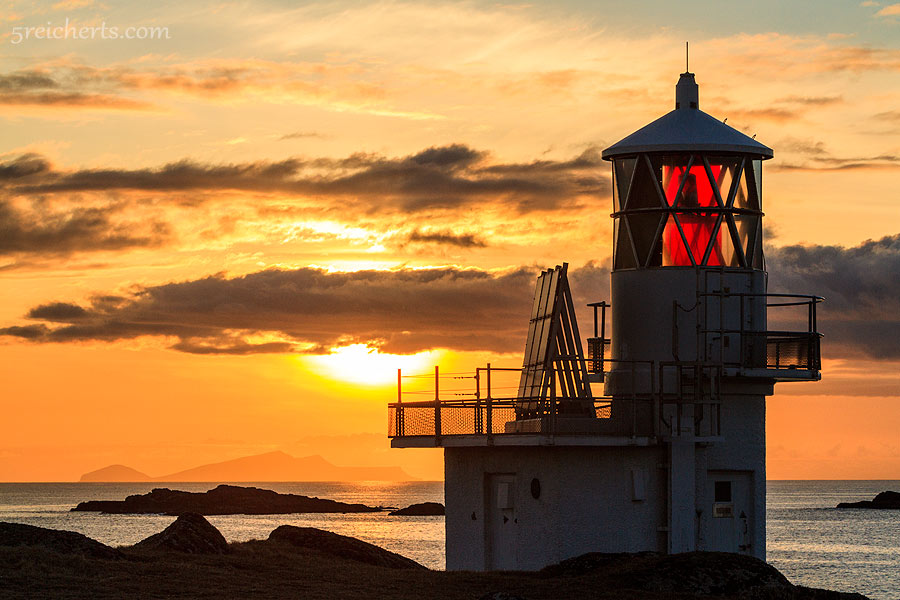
(190, 533)
(222, 500)
(423, 509)
(885, 500)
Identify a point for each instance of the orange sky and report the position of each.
(201, 234)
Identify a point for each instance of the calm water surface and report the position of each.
(809, 540)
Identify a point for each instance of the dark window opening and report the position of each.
(723, 491)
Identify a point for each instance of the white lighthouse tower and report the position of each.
(670, 456)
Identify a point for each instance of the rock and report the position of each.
(222, 500)
(423, 509)
(62, 542)
(341, 546)
(190, 533)
(692, 574)
(885, 500)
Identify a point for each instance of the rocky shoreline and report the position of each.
(191, 559)
(883, 501)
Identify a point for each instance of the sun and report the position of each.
(361, 365)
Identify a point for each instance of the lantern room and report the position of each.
(687, 191)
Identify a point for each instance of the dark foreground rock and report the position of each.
(885, 500)
(62, 542)
(341, 546)
(190, 533)
(692, 574)
(298, 562)
(424, 509)
(222, 500)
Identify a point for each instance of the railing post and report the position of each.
(479, 415)
(490, 405)
(398, 417)
(437, 404)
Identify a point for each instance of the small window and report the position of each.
(723, 491)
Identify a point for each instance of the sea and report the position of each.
(809, 540)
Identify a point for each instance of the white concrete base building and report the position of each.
(670, 456)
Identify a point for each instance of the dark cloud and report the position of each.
(26, 81)
(37, 88)
(835, 163)
(74, 230)
(57, 311)
(809, 147)
(73, 99)
(447, 238)
(893, 115)
(771, 113)
(23, 166)
(445, 177)
(309, 310)
(861, 314)
(26, 332)
(296, 135)
(812, 100)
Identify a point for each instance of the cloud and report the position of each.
(812, 100)
(302, 134)
(79, 229)
(778, 115)
(436, 178)
(42, 89)
(861, 314)
(893, 115)
(890, 10)
(835, 163)
(307, 309)
(311, 310)
(72, 4)
(58, 312)
(818, 158)
(410, 310)
(447, 238)
(72, 99)
(799, 146)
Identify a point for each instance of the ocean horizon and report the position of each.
(809, 540)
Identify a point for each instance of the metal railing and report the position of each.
(638, 412)
(772, 350)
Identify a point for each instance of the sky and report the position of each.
(225, 225)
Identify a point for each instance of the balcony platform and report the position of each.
(779, 374)
(518, 439)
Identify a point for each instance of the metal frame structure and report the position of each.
(553, 366)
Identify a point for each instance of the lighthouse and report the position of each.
(654, 438)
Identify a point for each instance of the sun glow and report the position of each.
(361, 365)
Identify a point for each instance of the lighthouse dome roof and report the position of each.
(687, 129)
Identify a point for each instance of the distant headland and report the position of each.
(271, 466)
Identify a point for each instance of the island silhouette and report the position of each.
(270, 466)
